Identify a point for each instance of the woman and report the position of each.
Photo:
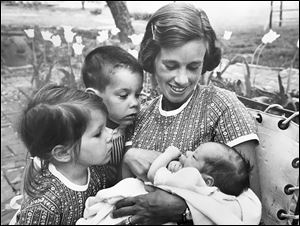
(178, 48)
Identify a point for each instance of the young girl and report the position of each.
(64, 132)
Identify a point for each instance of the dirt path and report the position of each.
(54, 16)
(13, 151)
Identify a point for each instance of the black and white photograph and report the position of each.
(149, 112)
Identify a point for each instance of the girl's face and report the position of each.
(121, 96)
(95, 142)
(178, 70)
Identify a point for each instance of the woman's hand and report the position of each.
(139, 161)
(156, 207)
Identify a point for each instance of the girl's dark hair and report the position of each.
(231, 175)
(99, 64)
(174, 25)
(56, 115)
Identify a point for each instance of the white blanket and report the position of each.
(207, 204)
(98, 208)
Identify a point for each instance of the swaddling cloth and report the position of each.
(98, 208)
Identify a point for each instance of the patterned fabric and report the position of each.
(118, 141)
(211, 114)
(118, 150)
(60, 205)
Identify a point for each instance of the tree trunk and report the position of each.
(122, 20)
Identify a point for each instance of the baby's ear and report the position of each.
(92, 90)
(61, 154)
(209, 180)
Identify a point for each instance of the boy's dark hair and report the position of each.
(100, 63)
(231, 175)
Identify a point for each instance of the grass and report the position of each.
(277, 54)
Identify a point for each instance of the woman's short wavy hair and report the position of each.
(173, 25)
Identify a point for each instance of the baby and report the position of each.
(213, 169)
(220, 165)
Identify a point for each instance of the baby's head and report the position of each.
(116, 76)
(221, 166)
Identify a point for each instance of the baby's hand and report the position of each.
(174, 166)
(173, 152)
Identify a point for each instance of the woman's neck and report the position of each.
(74, 173)
(167, 105)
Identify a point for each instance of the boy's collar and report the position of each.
(110, 124)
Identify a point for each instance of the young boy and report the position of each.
(116, 76)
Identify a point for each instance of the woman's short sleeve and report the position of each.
(235, 124)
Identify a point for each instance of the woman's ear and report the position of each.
(92, 90)
(209, 180)
(61, 154)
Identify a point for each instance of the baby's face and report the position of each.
(197, 158)
(192, 159)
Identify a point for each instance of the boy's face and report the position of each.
(121, 96)
(95, 146)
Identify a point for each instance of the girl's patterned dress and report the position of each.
(64, 202)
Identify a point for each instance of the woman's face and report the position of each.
(178, 70)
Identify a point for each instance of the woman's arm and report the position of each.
(247, 149)
(158, 206)
(155, 208)
(137, 162)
